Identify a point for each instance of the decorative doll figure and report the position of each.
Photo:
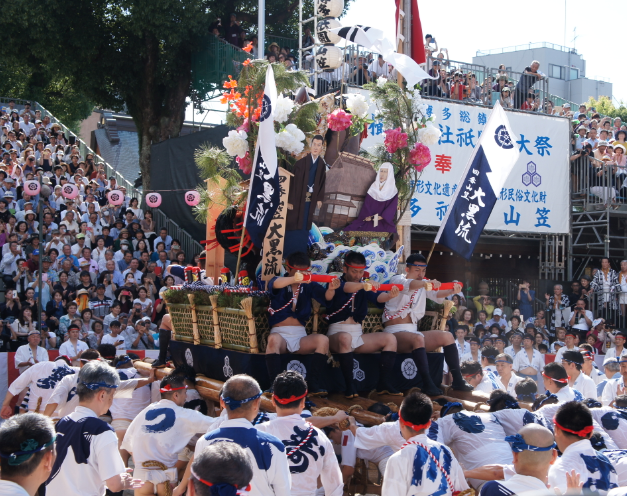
(378, 213)
(305, 195)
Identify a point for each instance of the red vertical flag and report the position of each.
(417, 39)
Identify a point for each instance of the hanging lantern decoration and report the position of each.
(329, 57)
(330, 8)
(32, 188)
(153, 200)
(325, 36)
(69, 191)
(192, 198)
(116, 197)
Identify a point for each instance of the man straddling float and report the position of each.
(402, 315)
(290, 309)
(345, 312)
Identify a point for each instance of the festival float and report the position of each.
(361, 205)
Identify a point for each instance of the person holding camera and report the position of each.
(525, 299)
(458, 87)
(581, 319)
(558, 304)
(360, 74)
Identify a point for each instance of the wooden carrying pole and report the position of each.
(217, 335)
(194, 319)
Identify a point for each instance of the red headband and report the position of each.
(582, 433)
(412, 426)
(285, 401)
(354, 266)
(561, 381)
(290, 267)
(169, 389)
(207, 483)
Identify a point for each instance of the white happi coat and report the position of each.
(160, 432)
(596, 471)
(87, 455)
(389, 434)
(129, 408)
(314, 459)
(619, 460)
(516, 485)
(586, 386)
(512, 420)
(65, 397)
(271, 473)
(349, 453)
(413, 472)
(476, 438)
(417, 310)
(42, 379)
(610, 390)
(614, 422)
(489, 383)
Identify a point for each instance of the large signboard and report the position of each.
(535, 198)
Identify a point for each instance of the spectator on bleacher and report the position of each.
(605, 284)
(528, 78)
(558, 305)
(506, 99)
(379, 67)
(360, 74)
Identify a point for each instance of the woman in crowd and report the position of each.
(467, 319)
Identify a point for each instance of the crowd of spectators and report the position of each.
(103, 266)
(592, 311)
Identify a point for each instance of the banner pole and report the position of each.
(431, 252)
(239, 253)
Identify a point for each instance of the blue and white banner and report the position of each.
(485, 174)
(264, 193)
(535, 197)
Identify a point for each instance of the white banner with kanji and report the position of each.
(535, 197)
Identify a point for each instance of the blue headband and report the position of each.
(416, 265)
(503, 361)
(518, 444)
(235, 404)
(526, 396)
(29, 448)
(123, 361)
(93, 386)
(508, 403)
(549, 395)
(592, 403)
(448, 406)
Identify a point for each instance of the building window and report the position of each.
(574, 73)
(557, 71)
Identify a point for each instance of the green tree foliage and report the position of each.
(604, 106)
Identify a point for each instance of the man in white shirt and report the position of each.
(402, 315)
(533, 450)
(618, 350)
(528, 362)
(463, 346)
(475, 352)
(516, 346)
(26, 454)
(309, 452)
(379, 68)
(581, 319)
(423, 466)
(573, 428)
(569, 340)
(555, 380)
(615, 387)
(88, 459)
(8, 267)
(504, 366)
(589, 367)
(497, 318)
(479, 379)
(41, 378)
(73, 347)
(241, 397)
(572, 362)
(30, 354)
(159, 433)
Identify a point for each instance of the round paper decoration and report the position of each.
(31, 188)
(115, 197)
(330, 8)
(69, 191)
(153, 200)
(325, 36)
(192, 198)
(329, 57)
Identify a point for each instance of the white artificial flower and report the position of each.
(429, 135)
(422, 108)
(381, 81)
(283, 108)
(357, 105)
(236, 143)
(291, 139)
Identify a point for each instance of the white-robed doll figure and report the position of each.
(378, 213)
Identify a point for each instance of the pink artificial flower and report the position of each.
(245, 164)
(395, 139)
(339, 120)
(245, 126)
(420, 156)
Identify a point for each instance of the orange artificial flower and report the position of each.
(248, 48)
(230, 83)
(246, 62)
(247, 90)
